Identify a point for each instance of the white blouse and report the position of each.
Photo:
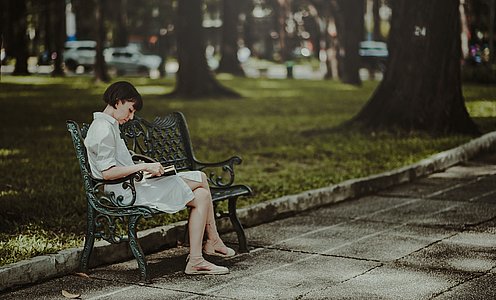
(106, 149)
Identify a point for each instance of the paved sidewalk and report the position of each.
(434, 238)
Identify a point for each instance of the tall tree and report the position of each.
(325, 17)
(121, 33)
(286, 31)
(46, 27)
(85, 18)
(350, 30)
(101, 72)
(248, 25)
(59, 35)
(282, 12)
(19, 46)
(420, 90)
(313, 22)
(229, 62)
(194, 79)
(377, 36)
(4, 21)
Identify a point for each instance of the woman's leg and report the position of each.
(213, 237)
(200, 205)
(210, 225)
(197, 220)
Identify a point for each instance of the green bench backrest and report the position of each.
(78, 135)
(165, 140)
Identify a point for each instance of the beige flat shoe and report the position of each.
(204, 268)
(217, 249)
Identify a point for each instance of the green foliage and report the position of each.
(33, 240)
(283, 129)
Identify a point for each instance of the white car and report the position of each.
(79, 53)
(373, 54)
(120, 60)
(129, 60)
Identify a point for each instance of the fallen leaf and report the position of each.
(82, 275)
(70, 295)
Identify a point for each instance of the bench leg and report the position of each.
(89, 241)
(136, 248)
(237, 225)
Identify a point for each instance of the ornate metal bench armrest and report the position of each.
(110, 201)
(216, 178)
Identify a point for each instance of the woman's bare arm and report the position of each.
(115, 172)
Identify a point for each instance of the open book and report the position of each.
(140, 158)
(169, 170)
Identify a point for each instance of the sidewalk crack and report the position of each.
(476, 276)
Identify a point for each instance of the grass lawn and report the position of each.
(281, 128)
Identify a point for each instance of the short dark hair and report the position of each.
(122, 91)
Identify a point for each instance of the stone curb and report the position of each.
(66, 261)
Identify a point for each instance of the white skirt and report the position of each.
(169, 194)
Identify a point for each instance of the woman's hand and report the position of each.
(156, 169)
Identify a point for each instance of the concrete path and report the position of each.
(434, 238)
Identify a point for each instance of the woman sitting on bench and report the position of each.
(110, 159)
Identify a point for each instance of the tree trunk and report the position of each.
(492, 8)
(120, 30)
(351, 33)
(421, 89)
(4, 26)
(18, 10)
(84, 11)
(312, 25)
(248, 26)
(9, 32)
(331, 39)
(101, 72)
(283, 13)
(377, 36)
(229, 62)
(47, 27)
(194, 79)
(59, 36)
(2, 17)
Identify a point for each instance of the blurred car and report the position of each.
(129, 60)
(79, 53)
(373, 55)
(45, 58)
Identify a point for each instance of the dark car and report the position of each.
(46, 58)
(373, 55)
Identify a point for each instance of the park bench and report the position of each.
(165, 140)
